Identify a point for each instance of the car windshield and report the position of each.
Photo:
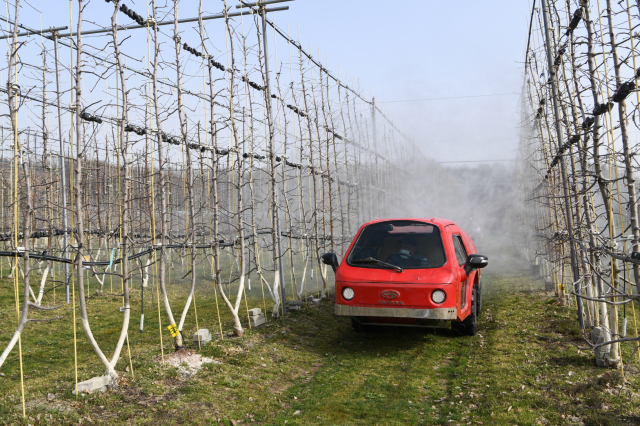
(406, 244)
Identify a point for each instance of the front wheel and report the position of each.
(469, 326)
(357, 325)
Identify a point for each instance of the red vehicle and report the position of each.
(413, 272)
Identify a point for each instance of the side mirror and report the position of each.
(330, 259)
(475, 261)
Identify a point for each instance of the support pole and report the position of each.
(63, 172)
(375, 151)
(560, 142)
(276, 213)
(167, 22)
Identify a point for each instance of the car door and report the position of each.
(461, 258)
(458, 271)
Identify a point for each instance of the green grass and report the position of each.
(524, 367)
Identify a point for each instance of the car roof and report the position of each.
(433, 220)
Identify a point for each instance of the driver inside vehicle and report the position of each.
(407, 255)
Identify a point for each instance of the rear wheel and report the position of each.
(479, 299)
(469, 326)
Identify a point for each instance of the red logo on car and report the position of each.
(390, 294)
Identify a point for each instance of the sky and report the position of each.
(408, 56)
(430, 49)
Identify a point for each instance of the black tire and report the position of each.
(468, 327)
(358, 327)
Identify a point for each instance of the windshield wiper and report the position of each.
(377, 262)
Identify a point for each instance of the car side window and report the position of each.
(461, 253)
(470, 245)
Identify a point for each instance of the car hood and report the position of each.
(442, 275)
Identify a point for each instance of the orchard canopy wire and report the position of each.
(577, 156)
(144, 146)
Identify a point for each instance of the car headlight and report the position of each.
(438, 296)
(347, 293)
